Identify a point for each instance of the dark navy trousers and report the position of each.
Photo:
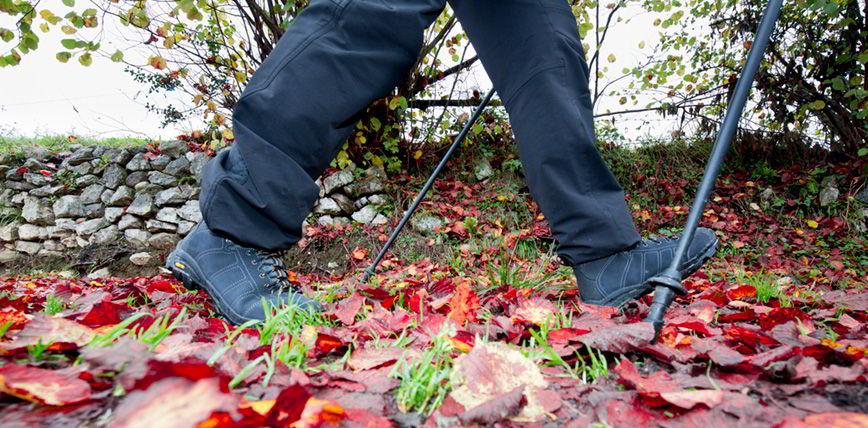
(339, 55)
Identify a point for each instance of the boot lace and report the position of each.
(656, 240)
(271, 267)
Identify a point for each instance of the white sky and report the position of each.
(43, 96)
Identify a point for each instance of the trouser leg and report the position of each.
(300, 106)
(532, 52)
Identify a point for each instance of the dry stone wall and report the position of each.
(144, 198)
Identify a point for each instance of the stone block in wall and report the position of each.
(190, 211)
(52, 245)
(113, 214)
(86, 180)
(197, 163)
(142, 205)
(13, 174)
(9, 255)
(105, 236)
(327, 206)
(48, 190)
(137, 237)
(46, 254)
(121, 197)
(364, 188)
(160, 162)
(91, 194)
(345, 203)
(79, 156)
(68, 206)
(19, 199)
(162, 179)
(94, 210)
(168, 215)
(369, 215)
(154, 226)
(148, 187)
(129, 222)
(184, 227)
(9, 232)
(29, 232)
(64, 225)
(136, 177)
(114, 176)
(18, 185)
(26, 247)
(138, 163)
(337, 180)
(37, 179)
(164, 241)
(174, 148)
(36, 211)
(89, 227)
(119, 155)
(83, 169)
(178, 167)
(176, 195)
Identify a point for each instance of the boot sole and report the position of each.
(637, 291)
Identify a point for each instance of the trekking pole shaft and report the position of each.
(424, 191)
(663, 294)
(729, 128)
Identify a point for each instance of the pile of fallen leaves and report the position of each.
(440, 344)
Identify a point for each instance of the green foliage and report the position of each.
(813, 83)
(57, 143)
(53, 305)
(152, 336)
(425, 379)
(587, 368)
(287, 320)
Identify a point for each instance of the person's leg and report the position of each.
(299, 108)
(532, 52)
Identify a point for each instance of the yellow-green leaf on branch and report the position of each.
(118, 56)
(85, 59)
(63, 56)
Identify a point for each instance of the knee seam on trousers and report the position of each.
(326, 28)
(507, 97)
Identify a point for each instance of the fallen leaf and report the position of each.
(360, 253)
(288, 407)
(536, 311)
(504, 406)
(371, 358)
(620, 338)
(463, 305)
(42, 386)
(103, 313)
(62, 333)
(346, 310)
(689, 399)
(173, 402)
(492, 370)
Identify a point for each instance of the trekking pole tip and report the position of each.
(665, 286)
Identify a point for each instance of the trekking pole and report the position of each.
(409, 213)
(668, 282)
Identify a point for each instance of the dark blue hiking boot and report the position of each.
(237, 278)
(619, 278)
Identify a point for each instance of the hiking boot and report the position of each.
(619, 278)
(237, 278)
